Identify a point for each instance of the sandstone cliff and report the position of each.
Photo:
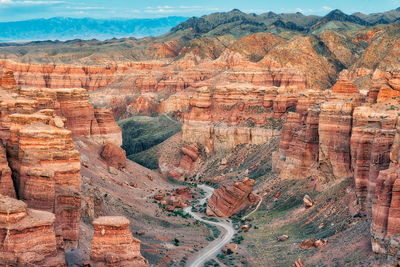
(28, 237)
(114, 245)
(231, 198)
(47, 174)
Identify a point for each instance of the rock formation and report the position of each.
(385, 206)
(8, 82)
(84, 120)
(28, 237)
(190, 155)
(299, 142)
(47, 174)
(230, 198)
(113, 243)
(63, 76)
(223, 117)
(114, 155)
(372, 136)
(6, 182)
(109, 130)
(335, 124)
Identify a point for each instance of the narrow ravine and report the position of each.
(217, 245)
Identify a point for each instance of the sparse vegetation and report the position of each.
(141, 133)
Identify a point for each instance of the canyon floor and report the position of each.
(293, 120)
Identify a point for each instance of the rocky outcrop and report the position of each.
(84, 120)
(72, 104)
(223, 117)
(114, 245)
(335, 124)
(63, 76)
(114, 155)
(6, 182)
(177, 199)
(187, 159)
(109, 130)
(8, 82)
(28, 237)
(175, 103)
(385, 207)
(190, 155)
(373, 132)
(47, 173)
(230, 198)
(279, 77)
(385, 86)
(299, 142)
(142, 105)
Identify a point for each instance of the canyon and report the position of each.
(297, 130)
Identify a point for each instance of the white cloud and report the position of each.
(87, 8)
(327, 8)
(29, 2)
(304, 10)
(180, 9)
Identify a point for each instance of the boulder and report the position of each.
(114, 155)
(230, 198)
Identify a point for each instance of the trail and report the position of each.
(258, 205)
(216, 246)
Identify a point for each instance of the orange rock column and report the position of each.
(114, 245)
(28, 237)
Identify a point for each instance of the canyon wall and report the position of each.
(28, 237)
(40, 166)
(385, 208)
(298, 147)
(351, 133)
(114, 245)
(81, 117)
(47, 174)
(222, 117)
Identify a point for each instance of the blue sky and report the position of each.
(13, 10)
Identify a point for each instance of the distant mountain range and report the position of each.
(240, 24)
(235, 22)
(86, 28)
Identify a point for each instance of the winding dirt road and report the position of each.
(216, 246)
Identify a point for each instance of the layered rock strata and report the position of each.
(28, 237)
(231, 198)
(385, 207)
(6, 182)
(189, 156)
(373, 132)
(46, 170)
(223, 117)
(335, 124)
(114, 245)
(299, 142)
(84, 120)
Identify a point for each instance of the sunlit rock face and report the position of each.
(335, 124)
(222, 117)
(114, 245)
(28, 234)
(47, 174)
(385, 215)
(299, 142)
(231, 198)
(6, 182)
(373, 132)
